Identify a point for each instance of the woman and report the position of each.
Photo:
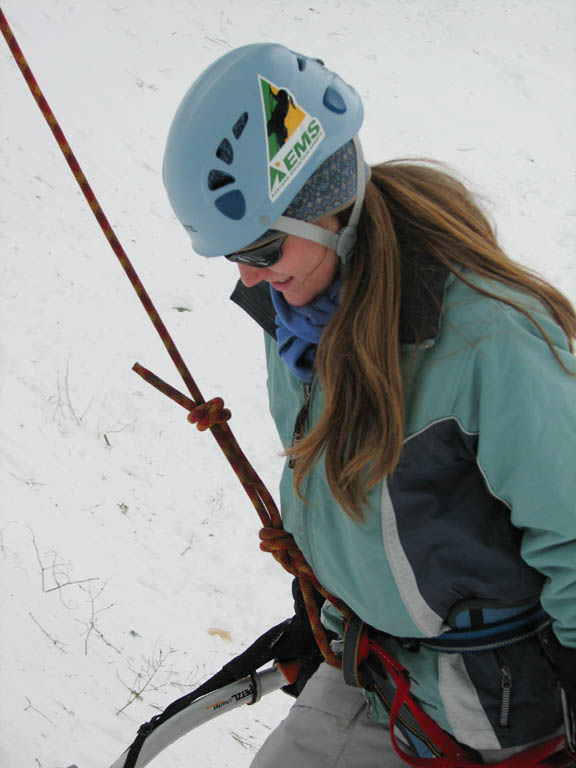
(424, 389)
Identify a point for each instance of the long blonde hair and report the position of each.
(410, 209)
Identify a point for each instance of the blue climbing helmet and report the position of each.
(264, 142)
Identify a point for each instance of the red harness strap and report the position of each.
(359, 647)
(453, 756)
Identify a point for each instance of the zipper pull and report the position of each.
(506, 683)
(301, 419)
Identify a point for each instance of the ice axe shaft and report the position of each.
(248, 690)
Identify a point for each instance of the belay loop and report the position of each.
(209, 413)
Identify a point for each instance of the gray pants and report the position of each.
(328, 727)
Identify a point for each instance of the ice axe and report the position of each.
(248, 690)
(235, 684)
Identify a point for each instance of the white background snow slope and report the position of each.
(127, 546)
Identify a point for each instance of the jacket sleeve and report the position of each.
(527, 449)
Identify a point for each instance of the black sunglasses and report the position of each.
(262, 255)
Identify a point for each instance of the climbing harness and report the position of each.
(365, 663)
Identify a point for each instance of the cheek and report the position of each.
(329, 269)
(300, 258)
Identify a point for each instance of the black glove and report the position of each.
(299, 643)
(291, 640)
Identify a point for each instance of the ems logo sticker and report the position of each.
(293, 136)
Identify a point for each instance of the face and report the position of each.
(305, 270)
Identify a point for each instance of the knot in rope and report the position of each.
(281, 545)
(209, 413)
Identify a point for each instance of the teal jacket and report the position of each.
(478, 519)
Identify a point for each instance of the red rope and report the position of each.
(97, 210)
(273, 538)
(206, 415)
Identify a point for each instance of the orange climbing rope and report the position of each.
(273, 538)
(205, 414)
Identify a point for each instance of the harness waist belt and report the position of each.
(526, 623)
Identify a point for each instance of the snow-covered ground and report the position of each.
(128, 552)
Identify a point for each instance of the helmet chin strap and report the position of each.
(341, 242)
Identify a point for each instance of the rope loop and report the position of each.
(206, 414)
(209, 413)
(281, 545)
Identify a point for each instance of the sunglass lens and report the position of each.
(264, 256)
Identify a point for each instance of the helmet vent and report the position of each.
(218, 179)
(239, 125)
(301, 63)
(232, 204)
(333, 101)
(225, 152)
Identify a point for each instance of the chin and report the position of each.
(297, 298)
(296, 301)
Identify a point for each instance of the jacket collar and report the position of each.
(257, 303)
(423, 286)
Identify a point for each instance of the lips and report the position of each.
(281, 284)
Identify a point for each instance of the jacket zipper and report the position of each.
(506, 684)
(300, 427)
(302, 419)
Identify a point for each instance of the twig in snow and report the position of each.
(144, 677)
(59, 571)
(30, 482)
(242, 741)
(91, 623)
(188, 546)
(30, 706)
(104, 428)
(53, 640)
(192, 679)
(77, 419)
(64, 404)
(69, 583)
(3, 548)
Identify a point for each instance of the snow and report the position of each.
(127, 547)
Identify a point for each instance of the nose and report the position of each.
(251, 276)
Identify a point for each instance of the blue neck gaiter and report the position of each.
(299, 328)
